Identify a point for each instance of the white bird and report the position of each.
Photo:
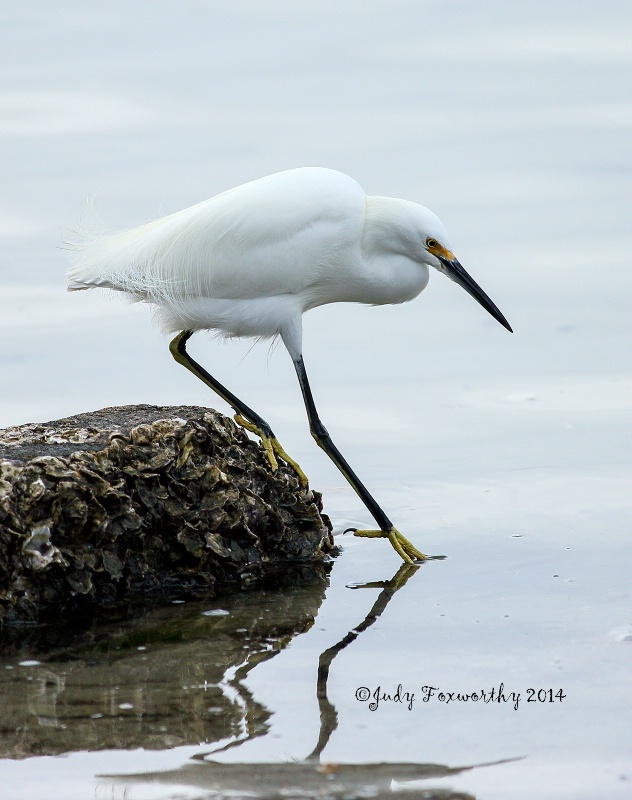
(251, 261)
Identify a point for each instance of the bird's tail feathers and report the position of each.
(118, 261)
(158, 263)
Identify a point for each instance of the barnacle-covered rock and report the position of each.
(145, 501)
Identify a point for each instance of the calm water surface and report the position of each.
(508, 454)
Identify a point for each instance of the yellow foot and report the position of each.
(405, 549)
(273, 448)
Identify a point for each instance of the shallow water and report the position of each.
(508, 454)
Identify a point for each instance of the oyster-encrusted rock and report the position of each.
(103, 507)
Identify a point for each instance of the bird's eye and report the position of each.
(431, 243)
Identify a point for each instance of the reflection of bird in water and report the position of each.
(312, 778)
(328, 714)
(251, 261)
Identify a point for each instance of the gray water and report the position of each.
(509, 454)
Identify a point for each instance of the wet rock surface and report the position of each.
(142, 502)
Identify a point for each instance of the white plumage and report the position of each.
(252, 260)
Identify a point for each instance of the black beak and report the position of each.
(455, 271)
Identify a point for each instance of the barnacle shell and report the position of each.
(142, 500)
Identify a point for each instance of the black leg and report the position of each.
(406, 550)
(323, 439)
(245, 416)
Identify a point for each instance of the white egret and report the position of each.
(251, 261)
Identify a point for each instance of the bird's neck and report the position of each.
(389, 248)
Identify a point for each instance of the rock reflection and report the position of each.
(177, 677)
(173, 677)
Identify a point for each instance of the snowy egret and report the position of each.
(251, 261)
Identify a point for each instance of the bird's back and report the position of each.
(266, 238)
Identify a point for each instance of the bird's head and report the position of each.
(402, 228)
(437, 253)
(443, 259)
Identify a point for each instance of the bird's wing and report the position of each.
(261, 239)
